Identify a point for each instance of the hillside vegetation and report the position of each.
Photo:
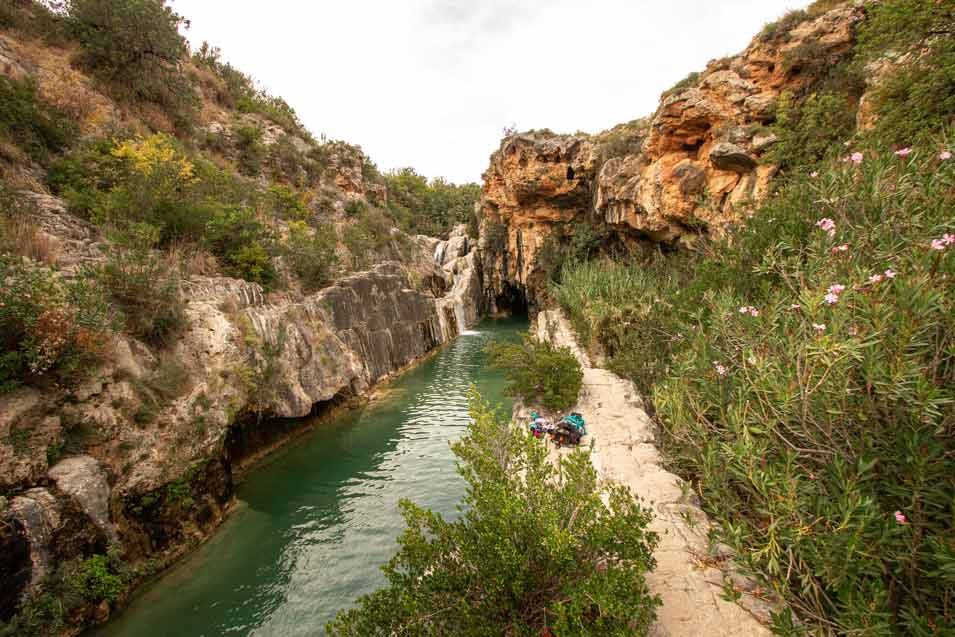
(802, 368)
(185, 167)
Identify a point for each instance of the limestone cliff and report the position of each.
(691, 169)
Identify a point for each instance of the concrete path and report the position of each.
(690, 578)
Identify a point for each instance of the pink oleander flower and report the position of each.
(903, 152)
(853, 331)
(814, 174)
(948, 239)
(819, 327)
(856, 157)
(890, 274)
(836, 289)
(843, 248)
(795, 306)
(720, 369)
(938, 244)
(900, 518)
(749, 309)
(945, 155)
(876, 278)
(832, 299)
(828, 225)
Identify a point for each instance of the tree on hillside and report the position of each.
(134, 46)
(536, 551)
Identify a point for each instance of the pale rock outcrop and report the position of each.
(690, 577)
(83, 479)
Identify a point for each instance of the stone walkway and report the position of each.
(690, 580)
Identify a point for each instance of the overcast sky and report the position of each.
(432, 83)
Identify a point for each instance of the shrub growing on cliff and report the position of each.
(35, 127)
(536, 551)
(311, 253)
(144, 283)
(243, 243)
(539, 371)
(135, 48)
(47, 325)
(804, 376)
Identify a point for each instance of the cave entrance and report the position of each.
(570, 173)
(512, 301)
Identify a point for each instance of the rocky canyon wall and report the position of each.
(138, 456)
(692, 169)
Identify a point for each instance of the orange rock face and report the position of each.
(700, 167)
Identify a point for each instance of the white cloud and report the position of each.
(432, 83)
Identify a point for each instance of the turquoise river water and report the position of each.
(315, 524)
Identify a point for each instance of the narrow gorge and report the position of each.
(250, 383)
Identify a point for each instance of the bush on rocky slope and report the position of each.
(536, 551)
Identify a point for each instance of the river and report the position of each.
(316, 522)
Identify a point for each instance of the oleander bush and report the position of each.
(803, 373)
(539, 549)
(539, 371)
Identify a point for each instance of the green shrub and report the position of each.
(355, 208)
(581, 241)
(427, 207)
(810, 130)
(288, 204)
(144, 284)
(36, 128)
(135, 48)
(917, 100)
(248, 140)
(807, 415)
(311, 253)
(539, 372)
(620, 141)
(536, 549)
(48, 325)
(96, 578)
(242, 94)
(243, 243)
(689, 81)
(82, 176)
(368, 236)
(775, 31)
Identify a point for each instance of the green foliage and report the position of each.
(243, 243)
(917, 100)
(48, 325)
(689, 81)
(775, 31)
(369, 234)
(539, 372)
(135, 48)
(810, 130)
(82, 176)
(580, 242)
(536, 549)
(355, 208)
(248, 140)
(311, 253)
(807, 423)
(625, 139)
(98, 581)
(288, 204)
(242, 94)
(429, 207)
(36, 128)
(144, 284)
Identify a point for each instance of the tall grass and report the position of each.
(816, 420)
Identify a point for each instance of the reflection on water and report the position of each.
(315, 524)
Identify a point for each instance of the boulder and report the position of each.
(83, 479)
(727, 156)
